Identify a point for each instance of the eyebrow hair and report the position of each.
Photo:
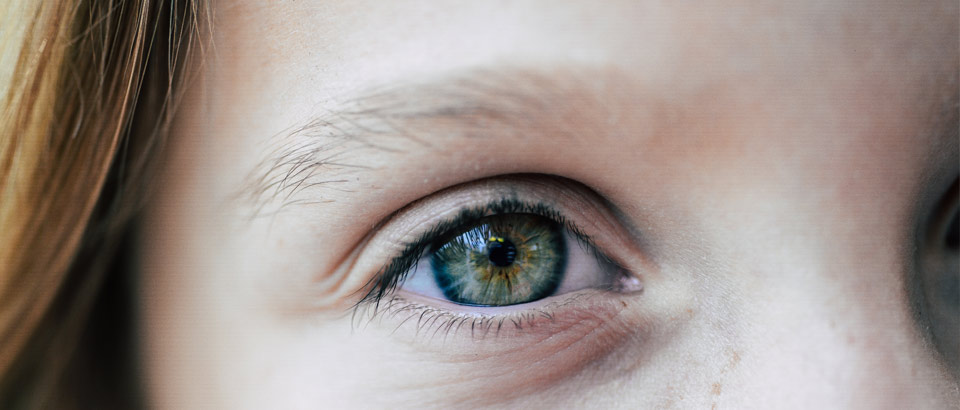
(323, 152)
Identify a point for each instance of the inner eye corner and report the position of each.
(948, 217)
(952, 236)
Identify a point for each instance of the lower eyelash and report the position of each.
(432, 321)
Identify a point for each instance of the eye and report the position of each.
(509, 259)
(500, 260)
(503, 251)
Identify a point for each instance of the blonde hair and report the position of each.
(87, 90)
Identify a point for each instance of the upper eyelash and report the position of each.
(392, 275)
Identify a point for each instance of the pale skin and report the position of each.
(759, 168)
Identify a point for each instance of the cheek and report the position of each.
(583, 343)
(489, 363)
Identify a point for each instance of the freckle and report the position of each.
(623, 303)
(689, 311)
(713, 407)
(734, 360)
(717, 388)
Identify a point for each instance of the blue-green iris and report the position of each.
(501, 260)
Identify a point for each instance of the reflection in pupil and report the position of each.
(501, 252)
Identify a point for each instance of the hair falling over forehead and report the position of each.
(87, 91)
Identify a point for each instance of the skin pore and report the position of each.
(760, 168)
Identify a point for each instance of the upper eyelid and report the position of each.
(572, 200)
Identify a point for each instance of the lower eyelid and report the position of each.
(579, 330)
(529, 321)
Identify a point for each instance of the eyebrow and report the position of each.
(322, 152)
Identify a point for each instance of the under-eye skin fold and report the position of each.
(509, 261)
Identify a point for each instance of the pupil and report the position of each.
(501, 253)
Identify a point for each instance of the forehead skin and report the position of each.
(772, 155)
